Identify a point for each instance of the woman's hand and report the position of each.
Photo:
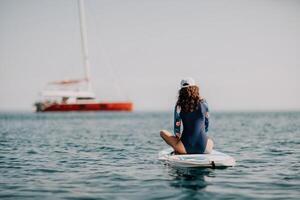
(178, 135)
(207, 115)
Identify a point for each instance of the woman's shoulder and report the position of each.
(204, 103)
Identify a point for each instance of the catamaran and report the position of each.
(77, 94)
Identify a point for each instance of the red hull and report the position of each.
(123, 106)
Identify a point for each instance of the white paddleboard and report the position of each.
(215, 159)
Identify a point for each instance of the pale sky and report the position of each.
(244, 54)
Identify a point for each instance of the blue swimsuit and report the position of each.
(195, 126)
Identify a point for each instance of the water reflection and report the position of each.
(190, 178)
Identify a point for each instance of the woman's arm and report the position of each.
(177, 122)
(206, 121)
(206, 115)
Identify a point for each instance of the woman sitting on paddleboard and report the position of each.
(192, 110)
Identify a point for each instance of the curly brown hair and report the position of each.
(189, 99)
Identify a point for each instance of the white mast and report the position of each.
(84, 47)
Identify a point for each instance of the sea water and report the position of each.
(114, 156)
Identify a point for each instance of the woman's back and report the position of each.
(193, 136)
